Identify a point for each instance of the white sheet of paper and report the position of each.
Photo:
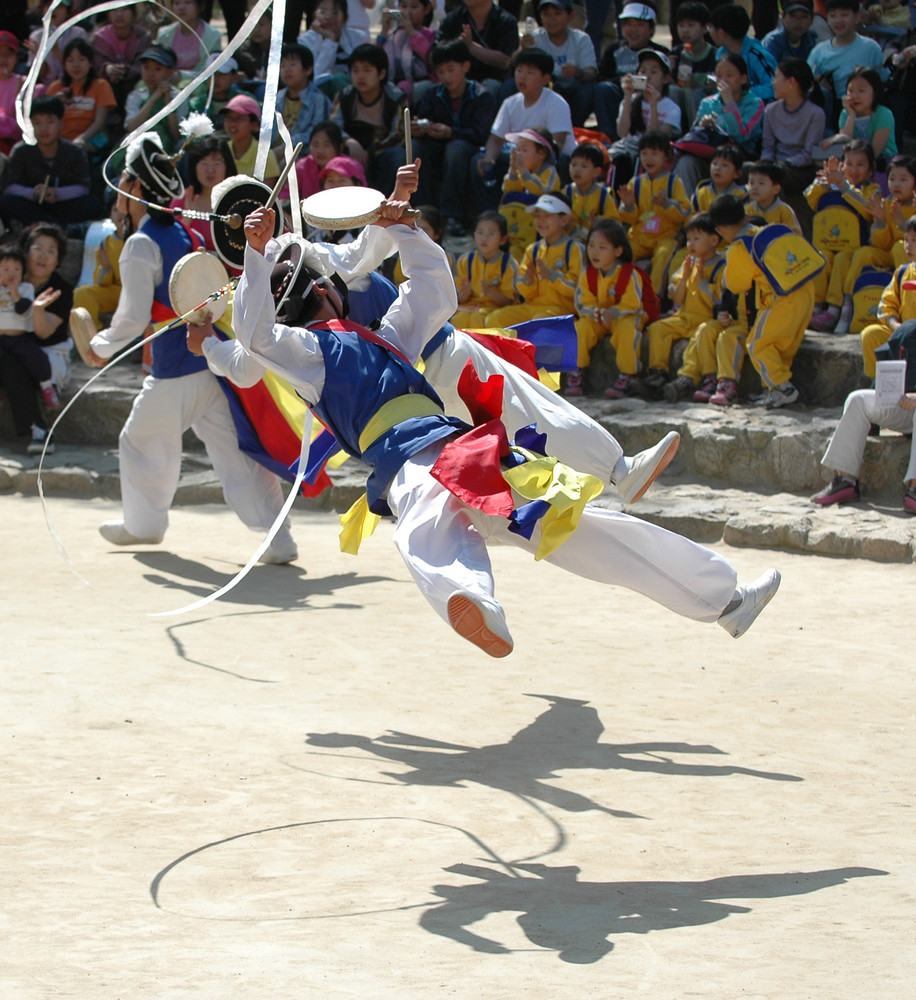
(890, 379)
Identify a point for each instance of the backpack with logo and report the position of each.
(786, 258)
(866, 297)
(837, 225)
(651, 303)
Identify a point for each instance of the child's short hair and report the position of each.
(910, 226)
(861, 146)
(616, 235)
(47, 106)
(740, 64)
(501, 221)
(731, 18)
(798, 70)
(374, 55)
(655, 140)
(454, 50)
(702, 222)
(727, 210)
(332, 131)
(769, 169)
(293, 50)
(312, 8)
(901, 160)
(691, 11)
(9, 251)
(535, 57)
(873, 79)
(589, 151)
(731, 153)
(852, 5)
(432, 215)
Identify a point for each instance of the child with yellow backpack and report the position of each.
(531, 173)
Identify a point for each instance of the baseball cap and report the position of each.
(229, 66)
(639, 12)
(161, 55)
(806, 5)
(550, 203)
(563, 4)
(659, 57)
(8, 39)
(244, 104)
(346, 166)
(530, 134)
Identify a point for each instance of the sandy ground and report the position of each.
(314, 788)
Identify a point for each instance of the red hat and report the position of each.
(347, 166)
(244, 104)
(8, 39)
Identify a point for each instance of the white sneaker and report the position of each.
(754, 598)
(645, 467)
(117, 534)
(479, 624)
(37, 445)
(281, 550)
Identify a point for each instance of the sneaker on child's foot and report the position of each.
(782, 395)
(574, 383)
(654, 381)
(677, 388)
(909, 500)
(754, 597)
(50, 397)
(37, 444)
(707, 389)
(726, 393)
(626, 385)
(840, 490)
(824, 321)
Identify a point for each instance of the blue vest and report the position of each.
(360, 377)
(171, 357)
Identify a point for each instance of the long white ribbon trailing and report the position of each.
(295, 209)
(272, 85)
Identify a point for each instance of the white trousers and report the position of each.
(847, 446)
(150, 455)
(443, 543)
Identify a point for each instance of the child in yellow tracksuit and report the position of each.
(782, 318)
(840, 197)
(654, 206)
(531, 173)
(549, 270)
(101, 297)
(609, 301)
(764, 186)
(590, 199)
(486, 277)
(898, 303)
(696, 291)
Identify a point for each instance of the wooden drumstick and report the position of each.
(408, 138)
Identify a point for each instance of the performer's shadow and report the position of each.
(564, 737)
(575, 919)
(266, 586)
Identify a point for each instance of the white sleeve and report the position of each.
(426, 299)
(230, 360)
(323, 49)
(291, 352)
(141, 271)
(352, 260)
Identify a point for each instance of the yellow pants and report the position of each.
(829, 285)
(626, 339)
(873, 337)
(472, 319)
(777, 334)
(660, 251)
(97, 299)
(664, 332)
(871, 257)
(715, 349)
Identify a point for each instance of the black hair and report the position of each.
(731, 18)
(535, 57)
(551, 146)
(454, 50)
(861, 146)
(701, 222)
(616, 234)
(727, 210)
(907, 163)
(204, 148)
(433, 216)
(691, 11)
(873, 79)
(84, 49)
(740, 64)
(769, 168)
(293, 50)
(11, 251)
(799, 71)
(47, 106)
(852, 5)
(910, 226)
(655, 140)
(589, 151)
(501, 221)
(332, 131)
(312, 6)
(50, 229)
(729, 152)
(374, 55)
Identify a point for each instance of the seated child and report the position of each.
(531, 173)
(300, 102)
(192, 42)
(728, 27)
(694, 56)
(430, 221)
(864, 117)
(764, 184)
(783, 311)
(117, 46)
(840, 197)
(332, 42)
(325, 143)
(87, 98)
(486, 277)
(696, 293)
(897, 306)
(16, 298)
(609, 301)
(341, 171)
(550, 268)
(242, 122)
(793, 37)
(151, 94)
(887, 14)
(590, 199)
(725, 176)
(225, 88)
(648, 109)
(407, 40)
(10, 84)
(101, 297)
(654, 206)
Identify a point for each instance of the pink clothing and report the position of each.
(10, 133)
(407, 57)
(200, 226)
(187, 47)
(109, 49)
(307, 176)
